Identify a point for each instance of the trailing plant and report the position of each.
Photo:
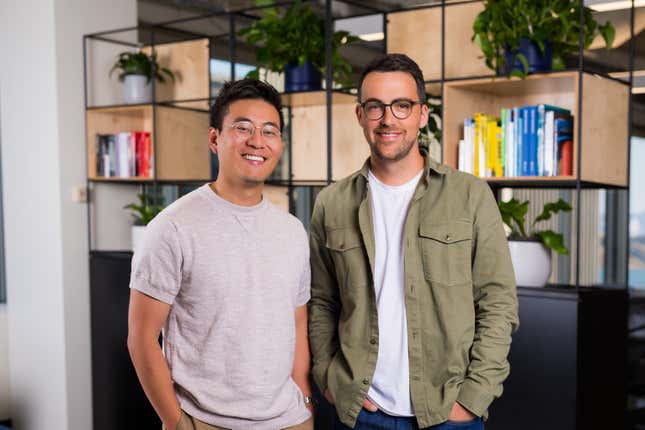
(432, 131)
(514, 216)
(146, 210)
(294, 37)
(140, 63)
(502, 23)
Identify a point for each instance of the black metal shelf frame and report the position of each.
(578, 184)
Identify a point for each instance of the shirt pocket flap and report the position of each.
(447, 232)
(343, 239)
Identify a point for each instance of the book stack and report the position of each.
(124, 155)
(522, 141)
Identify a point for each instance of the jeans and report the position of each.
(381, 421)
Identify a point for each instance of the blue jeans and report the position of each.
(381, 421)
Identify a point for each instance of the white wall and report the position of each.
(4, 364)
(41, 90)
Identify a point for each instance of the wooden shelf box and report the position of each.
(603, 147)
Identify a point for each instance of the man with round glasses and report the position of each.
(413, 298)
(226, 275)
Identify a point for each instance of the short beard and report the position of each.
(403, 151)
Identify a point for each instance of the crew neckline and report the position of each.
(415, 180)
(220, 201)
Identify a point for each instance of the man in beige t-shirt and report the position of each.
(226, 275)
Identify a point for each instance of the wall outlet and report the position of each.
(79, 194)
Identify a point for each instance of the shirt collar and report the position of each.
(429, 165)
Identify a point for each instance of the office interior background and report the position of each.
(54, 244)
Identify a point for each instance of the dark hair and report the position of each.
(395, 63)
(243, 89)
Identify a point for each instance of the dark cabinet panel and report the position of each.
(568, 365)
(118, 400)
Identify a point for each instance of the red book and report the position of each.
(566, 158)
(147, 155)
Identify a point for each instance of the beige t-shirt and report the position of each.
(233, 276)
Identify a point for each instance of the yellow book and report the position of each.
(491, 145)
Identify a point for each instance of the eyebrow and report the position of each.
(372, 99)
(243, 118)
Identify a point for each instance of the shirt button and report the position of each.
(366, 381)
(342, 246)
(373, 341)
(412, 288)
(448, 238)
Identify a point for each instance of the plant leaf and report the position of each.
(553, 240)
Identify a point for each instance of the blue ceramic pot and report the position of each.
(537, 62)
(302, 78)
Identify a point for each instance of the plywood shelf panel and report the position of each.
(604, 113)
(112, 121)
(182, 144)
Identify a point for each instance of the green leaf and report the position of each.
(254, 74)
(553, 240)
(524, 61)
(514, 215)
(557, 63)
(552, 208)
(608, 33)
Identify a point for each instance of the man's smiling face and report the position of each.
(390, 138)
(247, 160)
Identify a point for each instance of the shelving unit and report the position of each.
(603, 149)
(551, 368)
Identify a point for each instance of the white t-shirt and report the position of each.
(390, 389)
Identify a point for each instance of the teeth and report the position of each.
(253, 157)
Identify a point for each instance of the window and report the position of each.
(637, 214)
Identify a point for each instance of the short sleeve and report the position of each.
(304, 288)
(157, 264)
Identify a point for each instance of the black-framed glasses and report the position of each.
(400, 108)
(246, 130)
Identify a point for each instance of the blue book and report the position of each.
(524, 115)
(533, 141)
(517, 117)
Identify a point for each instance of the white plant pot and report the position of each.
(531, 262)
(138, 232)
(135, 90)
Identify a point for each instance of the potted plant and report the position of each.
(518, 37)
(430, 135)
(136, 72)
(531, 253)
(143, 213)
(294, 43)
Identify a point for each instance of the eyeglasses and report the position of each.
(246, 130)
(400, 108)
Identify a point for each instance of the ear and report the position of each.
(423, 118)
(359, 113)
(213, 135)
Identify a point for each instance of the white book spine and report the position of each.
(122, 148)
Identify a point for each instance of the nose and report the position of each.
(388, 118)
(256, 141)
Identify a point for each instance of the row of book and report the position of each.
(124, 155)
(523, 141)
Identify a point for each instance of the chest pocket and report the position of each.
(345, 246)
(447, 248)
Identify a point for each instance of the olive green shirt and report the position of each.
(460, 294)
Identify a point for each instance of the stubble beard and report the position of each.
(403, 151)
